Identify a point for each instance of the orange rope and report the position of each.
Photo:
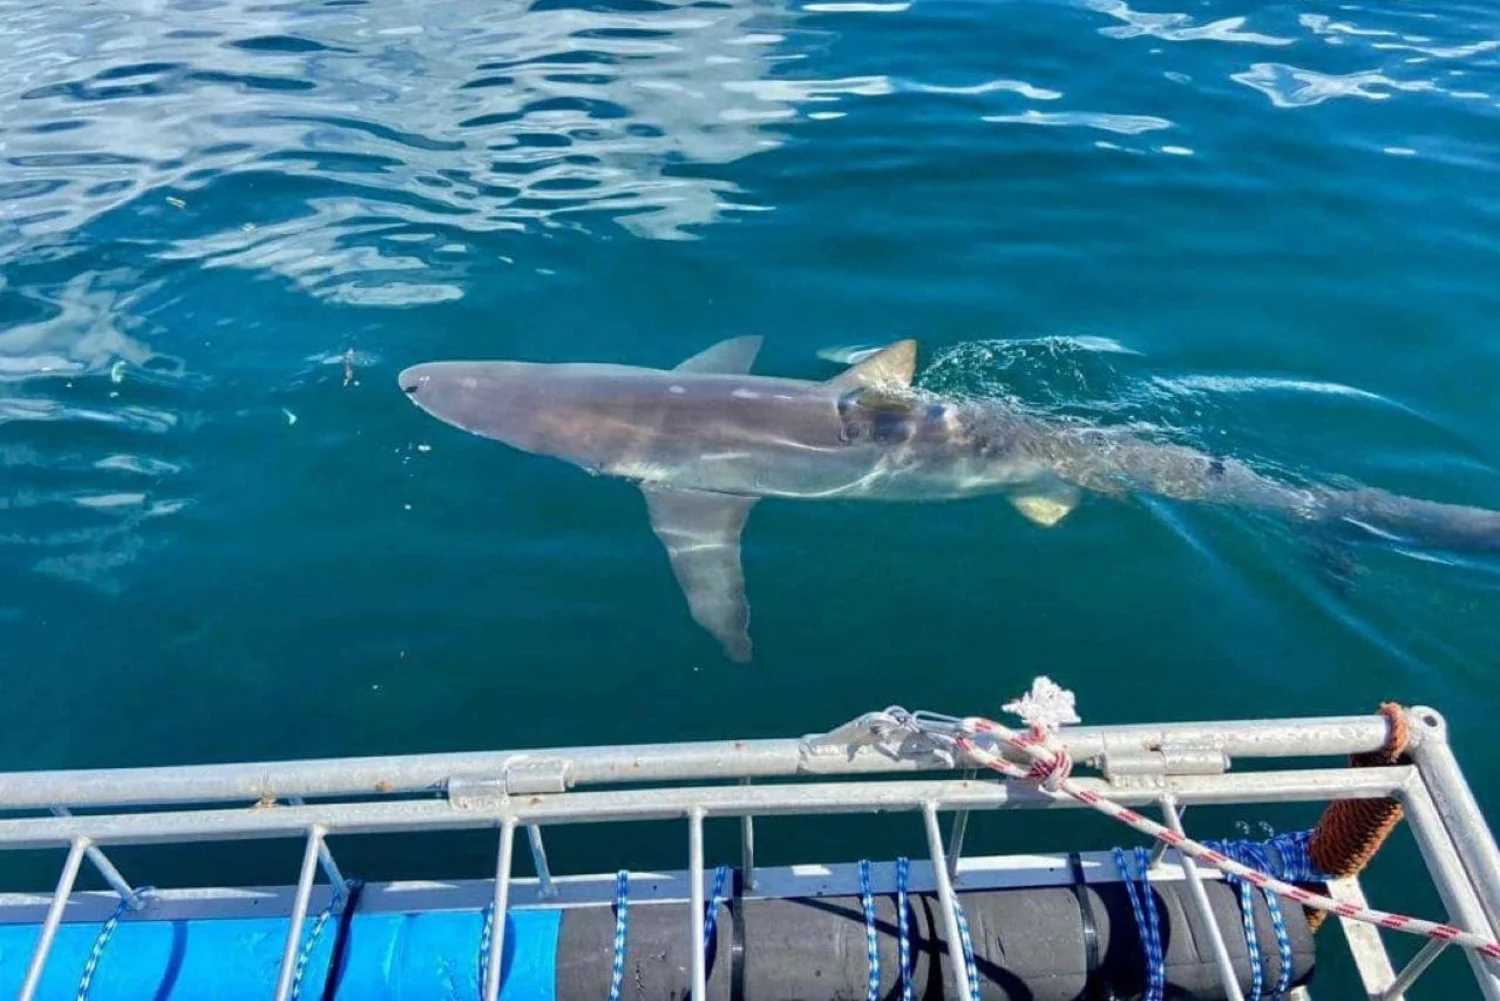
(1351, 831)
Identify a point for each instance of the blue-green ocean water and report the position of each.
(1269, 229)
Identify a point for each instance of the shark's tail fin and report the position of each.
(1416, 522)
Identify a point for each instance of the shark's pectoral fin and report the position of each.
(702, 534)
(894, 365)
(731, 357)
(1049, 507)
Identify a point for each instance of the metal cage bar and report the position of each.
(1227, 976)
(500, 905)
(252, 782)
(947, 900)
(468, 791)
(1414, 969)
(1456, 807)
(539, 860)
(374, 817)
(1445, 866)
(293, 945)
(697, 933)
(60, 897)
(105, 867)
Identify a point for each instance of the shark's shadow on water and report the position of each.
(706, 440)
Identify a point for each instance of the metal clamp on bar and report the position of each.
(1194, 757)
(528, 776)
(1137, 766)
(1132, 767)
(523, 776)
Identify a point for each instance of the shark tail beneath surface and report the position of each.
(1393, 518)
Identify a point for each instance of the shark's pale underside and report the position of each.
(706, 440)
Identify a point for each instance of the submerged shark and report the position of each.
(706, 440)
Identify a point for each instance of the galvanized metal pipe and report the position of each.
(1365, 946)
(371, 776)
(1449, 877)
(956, 835)
(747, 846)
(106, 868)
(1159, 850)
(697, 934)
(325, 858)
(500, 905)
(539, 862)
(1227, 976)
(1414, 969)
(1314, 785)
(1458, 810)
(60, 897)
(299, 914)
(947, 901)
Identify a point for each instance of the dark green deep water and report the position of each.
(1268, 229)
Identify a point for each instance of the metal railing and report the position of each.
(1169, 767)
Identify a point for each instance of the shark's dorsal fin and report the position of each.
(896, 365)
(731, 357)
(702, 534)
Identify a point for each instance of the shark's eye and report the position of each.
(409, 390)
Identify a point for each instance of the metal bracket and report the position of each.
(520, 777)
(1140, 767)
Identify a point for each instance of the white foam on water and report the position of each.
(1294, 87)
(1128, 125)
(1021, 87)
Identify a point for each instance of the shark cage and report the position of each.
(1185, 919)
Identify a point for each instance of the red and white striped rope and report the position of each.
(1050, 768)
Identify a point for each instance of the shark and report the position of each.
(707, 440)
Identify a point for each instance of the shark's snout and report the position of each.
(411, 380)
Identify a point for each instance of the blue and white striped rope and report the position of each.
(1292, 862)
(622, 929)
(711, 909)
(484, 944)
(903, 927)
(872, 942)
(1143, 906)
(1158, 984)
(970, 967)
(334, 900)
(91, 966)
(1235, 850)
(1261, 859)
